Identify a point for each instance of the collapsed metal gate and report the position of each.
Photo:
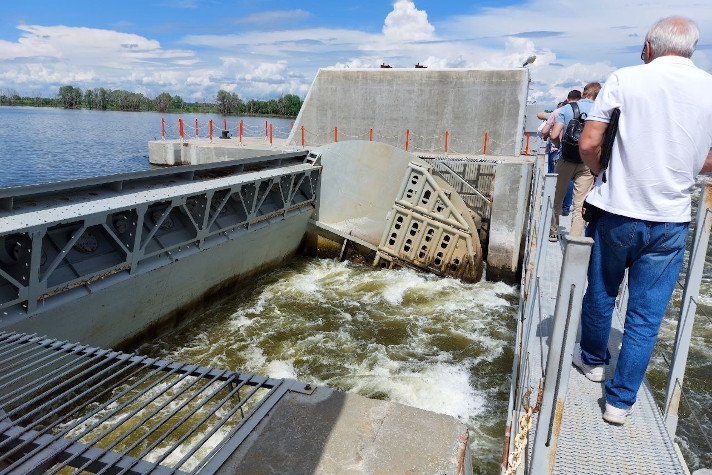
(68, 406)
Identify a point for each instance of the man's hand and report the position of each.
(590, 144)
(555, 134)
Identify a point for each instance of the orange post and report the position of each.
(270, 134)
(224, 124)
(526, 149)
(265, 128)
(485, 146)
(240, 131)
(407, 137)
(336, 134)
(291, 125)
(180, 128)
(302, 135)
(196, 127)
(447, 134)
(163, 128)
(210, 128)
(370, 135)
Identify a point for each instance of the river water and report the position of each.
(434, 343)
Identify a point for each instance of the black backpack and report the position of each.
(570, 141)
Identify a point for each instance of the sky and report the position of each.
(263, 49)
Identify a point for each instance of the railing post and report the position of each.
(302, 136)
(484, 148)
(196, 127)
(688, 309)
(180, 128)
(240, 130)
(447, 134)
(407, 138)
(567, 316)
(163, 128)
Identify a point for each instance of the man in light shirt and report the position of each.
(664, 140)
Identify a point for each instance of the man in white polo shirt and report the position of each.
(664, 140)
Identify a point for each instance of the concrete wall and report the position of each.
(464, 102)
(510, 200)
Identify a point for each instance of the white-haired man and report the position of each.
(664, 140)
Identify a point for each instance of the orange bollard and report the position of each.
(180, 128)
(196, 127)
(210, 129)
(270, 134)
(291, 125)
(240, 131)
(265, 128)
(485, 146)
(526, 149)
(370, 135)
(224, 124)
(302, 135)
(447, 134)
(163, 128)
(407, 137)
(336, 134)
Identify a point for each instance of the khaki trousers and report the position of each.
(583, 182)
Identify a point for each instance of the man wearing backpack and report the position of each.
(569, 166)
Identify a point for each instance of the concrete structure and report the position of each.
(330, 432)
(466, 103)
(197, 151)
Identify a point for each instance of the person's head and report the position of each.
(671, 36)
(574, 95)
(591, 90)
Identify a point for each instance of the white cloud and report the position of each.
(573, 46)
(407, 23)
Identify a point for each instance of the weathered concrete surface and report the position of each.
(360, 180)
(196, 151)
(507, 232)
(329, 432)
(467, 103)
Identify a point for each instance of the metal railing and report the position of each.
(553, 380)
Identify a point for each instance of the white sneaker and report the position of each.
(615, 415)
(593, 373)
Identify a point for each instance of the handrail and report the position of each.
(688, 310)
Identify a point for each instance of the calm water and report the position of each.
(40, 145)
(437, 344)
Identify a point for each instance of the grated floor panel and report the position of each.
(587, 444)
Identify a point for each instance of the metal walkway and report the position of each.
(555, 422)
(586, 443)
(65, 405)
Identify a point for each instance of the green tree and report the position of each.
(89, 98)
(163, 102)
(70, 97)
(177, 103)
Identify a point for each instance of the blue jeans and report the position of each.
(653, 253)
(569, 197)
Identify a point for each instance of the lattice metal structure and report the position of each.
(70, 235)
(71, 408)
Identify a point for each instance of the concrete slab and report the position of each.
(331, 432)
(466, 103)
(196, 151)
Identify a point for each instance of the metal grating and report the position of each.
(71, 408)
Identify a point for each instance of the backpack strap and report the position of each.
(577, 111)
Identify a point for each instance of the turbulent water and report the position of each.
(437, 344)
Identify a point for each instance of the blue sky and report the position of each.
(263, 49)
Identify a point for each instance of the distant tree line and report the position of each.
(225, 103)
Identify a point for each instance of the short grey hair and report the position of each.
(673, 36)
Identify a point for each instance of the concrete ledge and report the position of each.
(331, 432)
(197, 151)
